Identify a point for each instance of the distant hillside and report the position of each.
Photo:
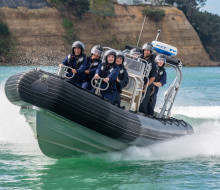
(40, 32)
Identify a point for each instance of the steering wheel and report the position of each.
(63, 71)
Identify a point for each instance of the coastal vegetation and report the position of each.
(70, 35)
(154, 14)
(7, 43)
(76, 7)
(102, 7)
(207, 25)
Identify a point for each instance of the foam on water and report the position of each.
(204, 142)
(16, 136)
(208, 112)
(12, 124)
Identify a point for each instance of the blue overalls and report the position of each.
(78, 63)
(92, 65)
(111, 71)
(153, 73)
(123, 77)
(162, 78)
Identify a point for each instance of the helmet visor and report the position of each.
(147, 47)
(136, 54)
(159, 59)
(96, 52)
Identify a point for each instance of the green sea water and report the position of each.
(189, 162)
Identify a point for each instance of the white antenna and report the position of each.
(158, 33)
(141, 30)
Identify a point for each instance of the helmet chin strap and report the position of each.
(147, 56)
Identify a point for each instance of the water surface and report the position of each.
(190, 162)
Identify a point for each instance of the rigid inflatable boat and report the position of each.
(69, 121)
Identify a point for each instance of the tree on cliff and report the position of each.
(7, 43)
(207, 25)
(189, 7)
(4, 36)
(77, 7)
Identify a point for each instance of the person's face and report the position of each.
(95, 56)
(77, 51)
(147, 53)
(110, 58)
(160, 62)
(119, 60)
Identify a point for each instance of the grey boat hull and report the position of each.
(68, 121)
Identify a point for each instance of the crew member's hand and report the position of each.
(96, 76)
(117, 79)
(106, 79)
(144, 89)
(87, 72)
(158, 84)
(155, 83)
(74, 71)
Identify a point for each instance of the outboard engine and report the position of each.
(163, 48)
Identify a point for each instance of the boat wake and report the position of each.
(16, 136)
(204, 142)
(199, 112)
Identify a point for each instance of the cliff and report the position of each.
(40, 33)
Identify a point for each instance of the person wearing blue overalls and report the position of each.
(160, 80)
(93, 62)
(122, 79)
(108, 70)
(149, 58)
(77, 61)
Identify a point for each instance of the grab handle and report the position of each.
(97, 85)
(63, 71)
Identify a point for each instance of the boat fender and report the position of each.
(171, 60)
(163, 48)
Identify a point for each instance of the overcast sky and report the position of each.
(212, 6)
